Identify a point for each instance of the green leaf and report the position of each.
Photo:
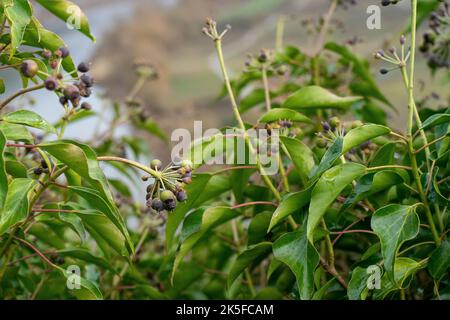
(86, 256)
(361, 134)
(329, 186)
(69, 12)
(357, 284)
(212, 217)
(394, 224)
(3, 176)
(248, 256)
(313, 97)
(284, 114)
(30, 119)
(301, 155)
(435, 120)
(384, 156)
(440, 260)
(97, 202)
(403, 269)
(258, 228)
(2, 86)
(16, 169)
(16, 205)
(289, 204)
(87, 291)
(19, 14)
(193, 190)
(299, 254)
(15, 132)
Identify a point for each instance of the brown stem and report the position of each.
(19, 93)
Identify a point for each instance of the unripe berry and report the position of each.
(51, 83)
(334, 122)
(46, 54)
(357, 124)
(156, 164)
(321, 143)
(63, 52)
(29, 68)
(186, 164)
(167, 195)
(187, 180)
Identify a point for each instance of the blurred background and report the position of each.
(167, 33)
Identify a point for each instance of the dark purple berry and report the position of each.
(157, 205)
(170, 205)
(72, 93)
(51, 83)
(87, 80)
(46, 54)
(37, 171)
(83, 67)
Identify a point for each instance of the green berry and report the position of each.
(357, 124)
(156, 164)
(167, 195)
(334, 122)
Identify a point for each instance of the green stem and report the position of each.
(265, 177)
(266, 88)
(412, 109)
(132, 163)
(5, 102)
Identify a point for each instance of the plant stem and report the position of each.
(135, 164)
(411, 108)
(280, 33)
(266, 88)
(5, 102)
(266, 179)
(389, 167)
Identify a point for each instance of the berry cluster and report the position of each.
(67, 92)
(43, 168)
(399, 60)
(265, 59)
(168, 188)
(332, 128)
(436, 41)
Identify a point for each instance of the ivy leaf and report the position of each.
(361, 134)
(252, 254)
(212, 217)
(30, 119)
(435, 120)
(19, 14)
(284, 114)
(97, 202)
(315, 97)
(299, 254)
(330, 156)
(258, 228)
(329, 186)
(301, 155)
(394, 224)
(384, 156)
(87, 291)
(440, 260)
(15, 132)
(403, 269)
(69, 12)
(3, 176)
(358, 284)
(16, 204)
(289, 204)
(85, 255)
